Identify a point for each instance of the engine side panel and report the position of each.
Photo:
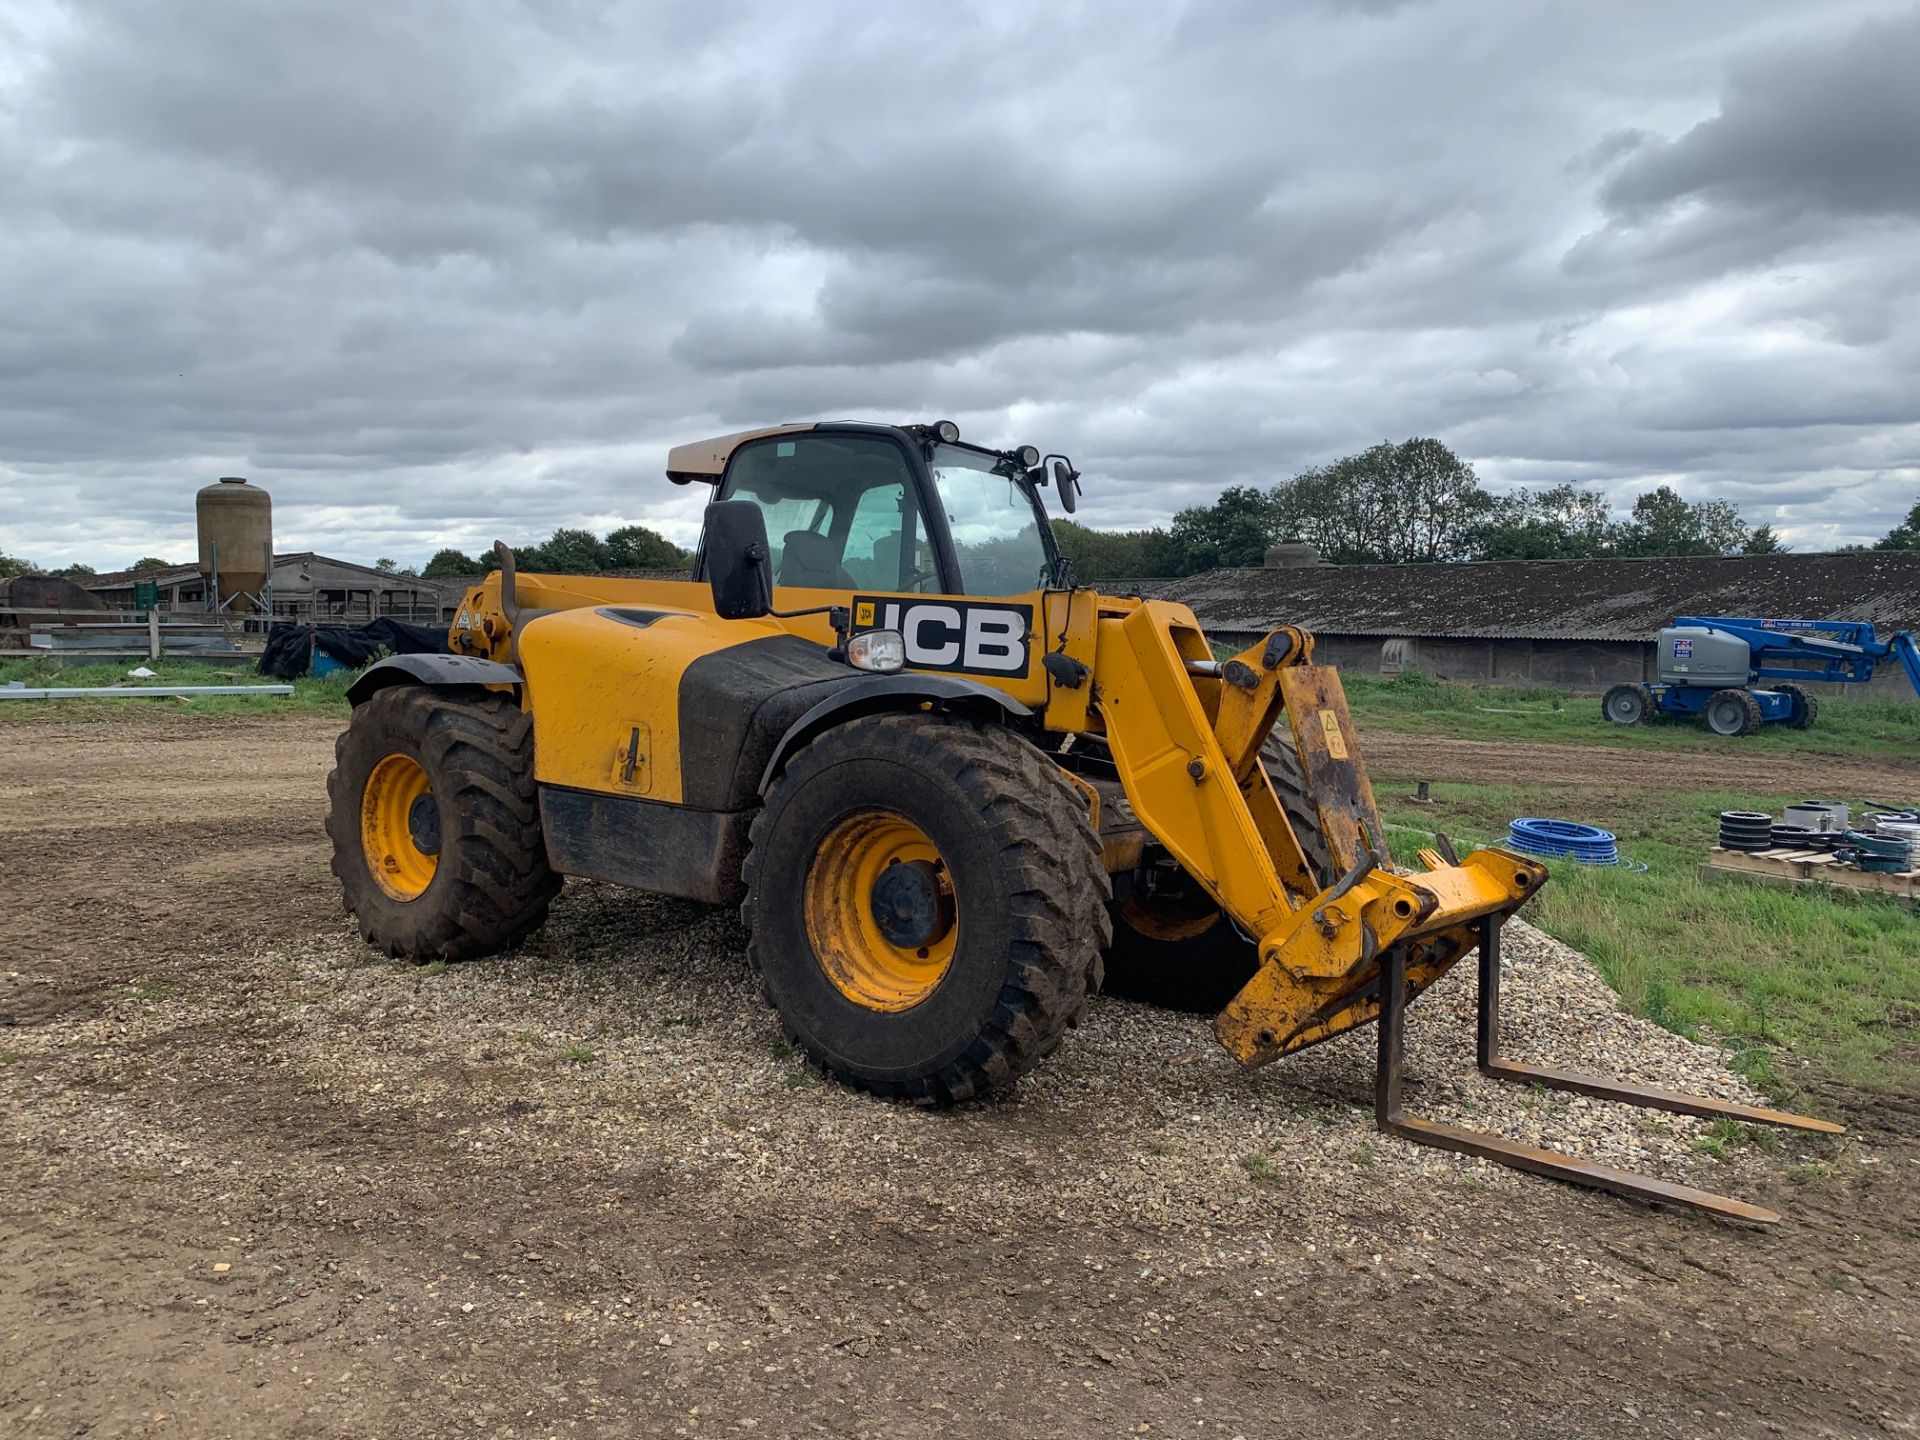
(605, 695)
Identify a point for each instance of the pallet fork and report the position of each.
(1361, 949)
(1393, 1119)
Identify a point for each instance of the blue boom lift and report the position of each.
(1710, 666)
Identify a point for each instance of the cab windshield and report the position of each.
(995, 522)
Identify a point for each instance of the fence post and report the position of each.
(153, 634)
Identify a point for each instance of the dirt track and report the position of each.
(581, 1191)
(1890, 778)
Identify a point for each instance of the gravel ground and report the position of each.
(265, 1181)
(630, 1035)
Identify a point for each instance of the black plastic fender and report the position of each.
(429, 670)
(875, 694)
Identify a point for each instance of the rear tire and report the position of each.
(955, 980)
(435, 824)
(1628, 705)
(1731, 713)
(1183, 952)
(1806, 709)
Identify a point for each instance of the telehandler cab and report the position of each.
(947, 786)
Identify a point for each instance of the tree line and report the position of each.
(1409, 503)
(1418, 503)
(572, 552)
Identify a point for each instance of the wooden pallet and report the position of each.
(1807, 867)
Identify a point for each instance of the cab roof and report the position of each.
(707, 459)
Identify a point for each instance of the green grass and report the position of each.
(311, 696)
(1830, 977)
(1413, 702)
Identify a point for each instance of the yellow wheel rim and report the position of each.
(880, 911)
(1170, 920)
(400, 827)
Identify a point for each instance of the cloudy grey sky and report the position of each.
(436, 273)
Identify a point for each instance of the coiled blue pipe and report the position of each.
(1562, 839)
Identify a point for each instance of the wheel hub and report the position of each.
(881, 912)
(423, 824)
(400, 827)
(909, 906)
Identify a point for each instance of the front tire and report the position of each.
(435, 824)
(1178, 949)
(1731, 713)
(927, 905)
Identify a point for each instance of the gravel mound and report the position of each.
(630, 1037)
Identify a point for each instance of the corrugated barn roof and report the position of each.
(1614, 599)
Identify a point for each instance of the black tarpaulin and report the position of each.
(290, 648)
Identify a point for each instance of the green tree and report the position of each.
(1722, 529)
(1235, 530)
(1114, 554)
(151, 562)
(450, 562)
(1905, 535)
(1561, 522)
(1412, 502)
(1436, 499)
(635, 547)
(565, 552)
(1762, 541)
(75, 571)
(13, 565)
(1663, 523)
(386, 566)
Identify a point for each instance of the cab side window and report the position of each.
(837, 507)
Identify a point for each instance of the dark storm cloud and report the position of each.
(1820, 126)
(436, 272)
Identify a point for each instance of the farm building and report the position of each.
(306, 587)
(1583, 624)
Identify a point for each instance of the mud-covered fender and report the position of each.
(874, 694)
(429, 670)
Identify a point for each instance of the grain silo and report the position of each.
(235, 521)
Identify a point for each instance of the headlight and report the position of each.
(948, 431)
(881, 651)
(1029, 455)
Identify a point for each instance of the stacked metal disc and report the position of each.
(1888, 853)
(1795, 837)
(1746, 830)
(1896, 824)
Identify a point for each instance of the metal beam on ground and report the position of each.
(152, 692)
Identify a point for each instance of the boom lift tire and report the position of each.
(1806, 709)
(1629, 705)
(436, 826)
(1179, 951)
(1731, 712)
(927, 905)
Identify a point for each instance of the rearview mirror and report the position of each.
(739, 565)
(1066, 484)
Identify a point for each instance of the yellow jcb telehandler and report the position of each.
(949, 787)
